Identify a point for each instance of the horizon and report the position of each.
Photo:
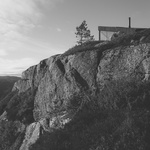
(33, 30)
(10, 75)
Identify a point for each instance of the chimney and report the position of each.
(129, 22)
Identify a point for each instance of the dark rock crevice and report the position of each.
(79, 79)
(34, 74)
(43, 64)
(99, 57)
(60, 66)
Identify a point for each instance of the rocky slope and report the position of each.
(92, 97)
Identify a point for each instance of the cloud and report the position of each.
(58, 29)
(17, 20)
(2, 52)
(15, 66)
(17, 15)
(49, 3)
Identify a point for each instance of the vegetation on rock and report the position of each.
(103, 89)
(118, 120)
(6, 84)
(10, 138)
(20, 107)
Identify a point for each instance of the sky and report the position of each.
(32, 30)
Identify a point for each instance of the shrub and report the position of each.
(5, 101)
(6, 84)
(7, 134)
(125, 93)
(10, 138)
(21, 107)
(120, 120)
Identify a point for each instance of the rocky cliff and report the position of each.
(95, 94)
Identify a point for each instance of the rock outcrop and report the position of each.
(60, 79)
(32, 134)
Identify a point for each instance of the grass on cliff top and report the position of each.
(124, 40)
(80, 48)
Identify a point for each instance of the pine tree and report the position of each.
(83, 33)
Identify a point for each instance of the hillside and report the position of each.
(6, 84)
(92, 97)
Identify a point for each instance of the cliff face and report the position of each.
(58, 79)
(61, 84)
